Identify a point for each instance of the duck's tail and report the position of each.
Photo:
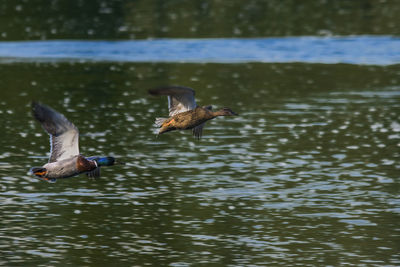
(40, 172)
(159, 121)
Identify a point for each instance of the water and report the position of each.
(372, 50)
(307, 175)
(142, 19)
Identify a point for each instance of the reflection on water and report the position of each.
(308, 173)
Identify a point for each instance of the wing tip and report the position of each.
(169, 89)
(34, 103)
(38, 110)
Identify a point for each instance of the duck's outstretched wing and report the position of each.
(180, 98)
(64, 136)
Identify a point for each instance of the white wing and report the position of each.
(180, 98)
(64, 146)
(64, 136)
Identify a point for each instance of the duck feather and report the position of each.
(180, 98)
(64, 135)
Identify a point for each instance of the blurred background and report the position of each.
(136, 19)
(307, 175)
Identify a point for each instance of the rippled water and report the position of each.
(371, 50)
(308, 174)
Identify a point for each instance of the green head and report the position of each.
(104, 161)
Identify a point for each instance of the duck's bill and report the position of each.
(118, 162)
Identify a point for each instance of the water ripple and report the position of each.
(375, 50)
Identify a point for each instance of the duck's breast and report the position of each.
(85, 165)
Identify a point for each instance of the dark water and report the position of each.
(141, 19)
(308, 174)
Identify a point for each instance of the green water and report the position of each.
(138, 19)
(308, 174)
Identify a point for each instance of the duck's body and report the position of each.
(65, 160)
(184, 112)
(68, 167)
(188, 120)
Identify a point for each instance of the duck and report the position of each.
(184, 113)
(65, 160)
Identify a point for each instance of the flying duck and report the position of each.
(184, 113)
(65, 160)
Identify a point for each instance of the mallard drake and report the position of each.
(65, 160)
(184, 113)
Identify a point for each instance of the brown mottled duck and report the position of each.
(184, 113)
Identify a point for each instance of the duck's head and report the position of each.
(39, 171)
(226, 112)
(105, 161)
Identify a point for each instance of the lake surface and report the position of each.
(307, 175)
(372, 50)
